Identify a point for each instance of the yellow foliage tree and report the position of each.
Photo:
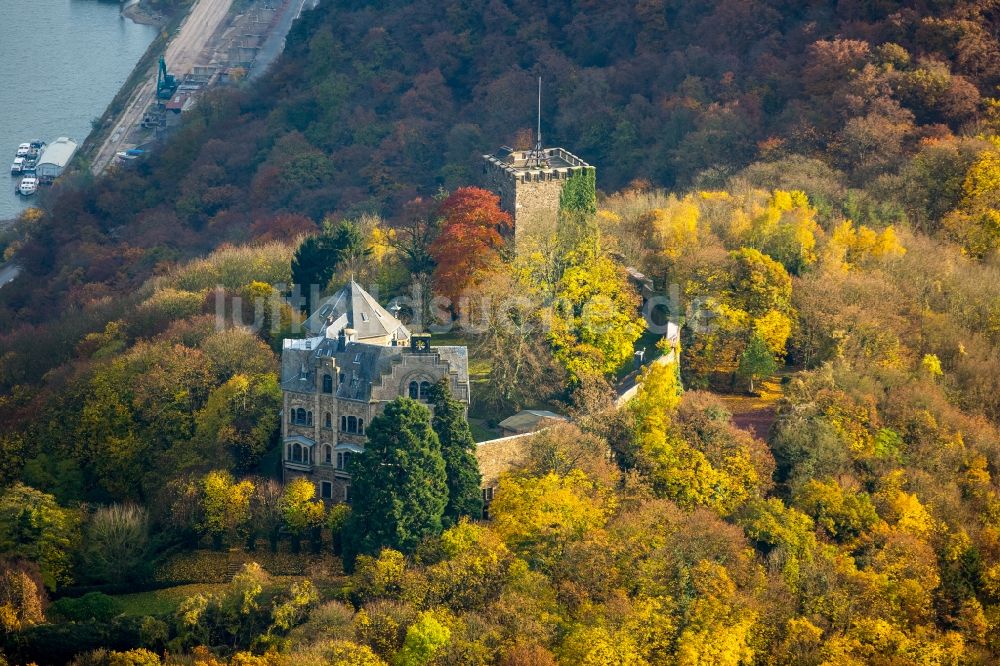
(539, 516)
(976, 222)
(675, 226)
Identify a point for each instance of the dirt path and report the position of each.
(184, 51)
(755, 413)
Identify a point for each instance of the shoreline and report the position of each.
(134, 12)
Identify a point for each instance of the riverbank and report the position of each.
(135, 12)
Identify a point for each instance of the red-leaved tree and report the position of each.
(472, 235)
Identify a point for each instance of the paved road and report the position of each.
(184, 51)
(274, 44)
(8, 272)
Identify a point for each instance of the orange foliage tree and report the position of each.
(472, 228)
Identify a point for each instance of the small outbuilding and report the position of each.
(55, 157)
(528, 420)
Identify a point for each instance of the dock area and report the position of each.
(213, 45)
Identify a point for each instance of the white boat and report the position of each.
(23, 149)
(17, 167)
(28, 186)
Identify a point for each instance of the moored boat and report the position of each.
(27, 186)
(17, 167)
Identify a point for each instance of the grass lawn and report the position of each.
(481, 432)
(165, 601)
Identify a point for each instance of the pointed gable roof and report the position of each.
(353, 307)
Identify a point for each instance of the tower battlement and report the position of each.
(529, 184)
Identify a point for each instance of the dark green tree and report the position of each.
(757, 360)
(318, 257)
(458, 449)
(398, 484)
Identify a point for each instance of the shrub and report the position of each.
(95, 606)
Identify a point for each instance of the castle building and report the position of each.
(355, 358)
(529, 184)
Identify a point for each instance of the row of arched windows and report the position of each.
(300, 454)
(300, 417)
(303, 454)
(349, 424)
(352, 424)
(343, 457)
(420, 390)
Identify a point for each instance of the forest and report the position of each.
(811, 481)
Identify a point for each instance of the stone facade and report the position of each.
(529, 186)
(497, 456)
(336, 381)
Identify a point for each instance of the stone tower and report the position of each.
(529, 183)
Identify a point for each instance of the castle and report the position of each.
(356, 357)
(529, 184)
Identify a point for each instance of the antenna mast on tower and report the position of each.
(536, 157)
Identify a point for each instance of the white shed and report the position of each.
(55, 157)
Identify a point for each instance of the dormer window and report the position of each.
(357, 358)
(364, 316)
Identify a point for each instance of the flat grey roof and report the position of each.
(517, 161)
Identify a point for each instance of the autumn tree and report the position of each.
(595, 323)
(239, 420)
(35, 527)
(538, 517)
(225, 506)
(511, 334)
(22, 600)
(471, 239)
(399, 483)
(976, 222)
(300, 511)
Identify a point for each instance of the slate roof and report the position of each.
(528, 420)
(353, 307)
(361, 364)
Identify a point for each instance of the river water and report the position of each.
(61, 63)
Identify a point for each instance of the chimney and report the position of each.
(420, 342)
(351, 335)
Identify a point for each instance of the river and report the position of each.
(61, 63)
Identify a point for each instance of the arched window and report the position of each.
(340, 460)
(425, 390)
(309, 418)
(327, 384)
(414, 387)
(328, 454)
(288, 453)
(296, 453)
(347, 460)
(300, 416)
(352, 424)
(328, 420)
(343, 424)
(361, 426)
